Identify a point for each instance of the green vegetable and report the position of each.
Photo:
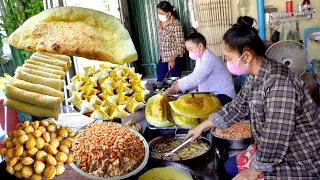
(14, 13)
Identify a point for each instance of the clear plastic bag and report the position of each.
(292, 33)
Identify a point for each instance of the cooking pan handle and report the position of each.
(176, 131)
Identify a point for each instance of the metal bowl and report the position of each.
(170, 80)
(132, 173)
(221, 142)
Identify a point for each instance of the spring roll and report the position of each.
(57, 62)
(48, 70)
(54, 83)
(32, 97)
(39, 73)
(29, 61)
(54, 56)
(31, 109)
(37, 88)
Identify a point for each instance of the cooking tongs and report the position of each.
(166, 156)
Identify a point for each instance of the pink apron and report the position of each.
(245, 159)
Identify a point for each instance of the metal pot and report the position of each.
(170, 80)
(192, 162)
(225, 143)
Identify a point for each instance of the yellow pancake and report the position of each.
(76, 31)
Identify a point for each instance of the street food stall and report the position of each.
(136, 132)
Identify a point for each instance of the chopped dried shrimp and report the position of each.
(236, 131)
(107, 150)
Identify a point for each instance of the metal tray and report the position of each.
(173, 97)
(174, 127)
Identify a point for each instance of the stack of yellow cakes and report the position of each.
(36, 87)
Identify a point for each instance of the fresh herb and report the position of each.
(14, 13)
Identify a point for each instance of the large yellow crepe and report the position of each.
(43, 69)
(39, 73)
(53, 83)
(76, 31)
(32, 97)
(157, 111)
(166, 173)
(31, 109)
(197, 106)
(55, 62)
(37, 88)
(184, 122)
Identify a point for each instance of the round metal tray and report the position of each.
(132, 173)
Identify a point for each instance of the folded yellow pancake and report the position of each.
(31, 109)
(37, 88)
(53, 83)
(182, 121)
(29, 61)
(157, 111)
(199, 106)
(55, 62)
(76, 31)
(44, 69)
(39, 73)
(54, 56)
(166, 173)
(32, 97)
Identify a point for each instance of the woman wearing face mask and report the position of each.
(210, 73)
(284, 122)
(171, 41)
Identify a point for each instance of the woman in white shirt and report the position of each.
(210, 73)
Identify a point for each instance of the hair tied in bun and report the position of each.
(192, 30)
(173, 8)
(245, 22)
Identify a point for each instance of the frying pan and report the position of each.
(192, 162)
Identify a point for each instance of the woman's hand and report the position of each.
(174, 89)
(171, 64)
(175, 82)
(248, 174)
(197, 131)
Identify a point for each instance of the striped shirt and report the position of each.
(171, 40)
(284, 122)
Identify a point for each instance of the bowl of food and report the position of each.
(109, 151)
(238, 136)
(192, 151)
(170, 80)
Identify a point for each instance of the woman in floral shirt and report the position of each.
(284, 121)
(171, 41)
